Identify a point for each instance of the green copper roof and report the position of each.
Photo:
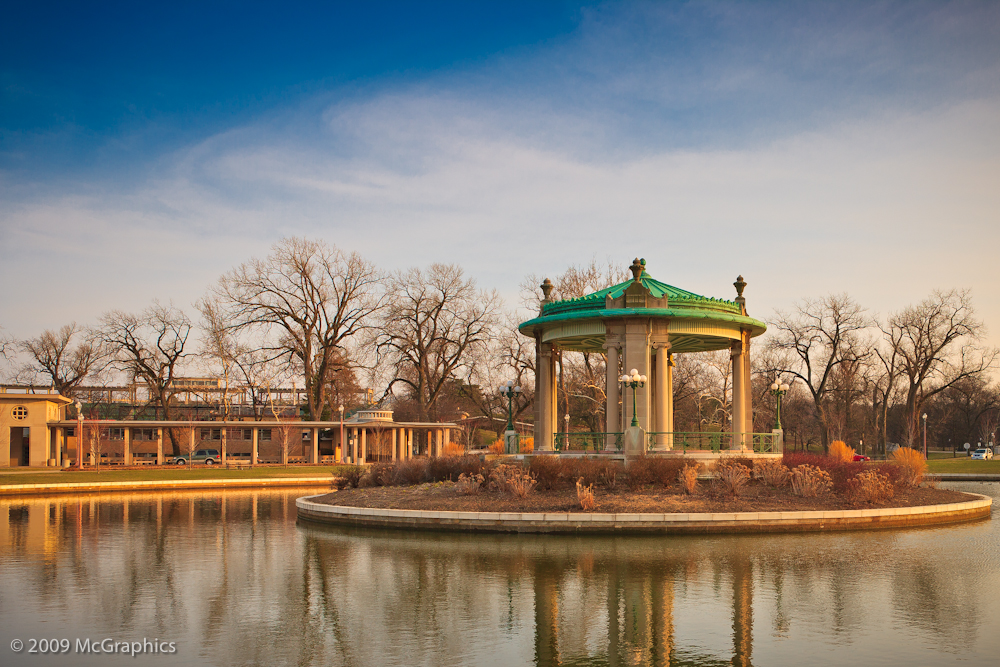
(680, 305)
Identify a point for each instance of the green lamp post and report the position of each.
(510, 391)
(778, 390)
(634, 380)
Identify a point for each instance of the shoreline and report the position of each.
(8, 490)
(979, 507)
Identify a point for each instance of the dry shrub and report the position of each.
(410, 472)
(367, 480)
(547, 470)
(809, 481)
(688, 477)
(497, 447)
(911, 464)
(645, 470)
(512, 479)
(772, 472)
(448, 468)
(383, 474)
(454, 449)
(607, 475)
(469, 485)
(840, 472)
(733, 476)
(839, 451)
(527, 445)
(585, 494)
(870, 486)
(348, 476)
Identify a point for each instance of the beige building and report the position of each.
(35, 431)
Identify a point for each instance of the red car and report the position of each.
(862, 457)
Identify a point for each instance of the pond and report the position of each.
(230, 578)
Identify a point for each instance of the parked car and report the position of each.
(862, 457)
(206, 456)
(982, 454)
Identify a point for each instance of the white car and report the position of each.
(982, 454)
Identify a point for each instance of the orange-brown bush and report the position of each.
(839, 451)
(411, 471)
(496, 448)
(448, 468)
(585, 494)
(527, 445)
(512, 479)
(469, 485)
(911, 464)
(454, 449)
(644, 470)
(809, 481)
(870, 486)
(732, 475)
(688, 477)
(548, 470)
(771, 471)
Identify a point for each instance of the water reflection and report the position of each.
(232, 579)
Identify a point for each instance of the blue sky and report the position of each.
(812, 147)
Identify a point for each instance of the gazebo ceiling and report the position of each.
(695, 323)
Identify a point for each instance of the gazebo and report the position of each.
(640, 324)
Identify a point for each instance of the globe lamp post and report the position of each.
(778, 390)
(634, 380)
(925, 436)
(509, 390)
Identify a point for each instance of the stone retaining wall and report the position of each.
(583, 522)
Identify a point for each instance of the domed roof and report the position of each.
(643, 296)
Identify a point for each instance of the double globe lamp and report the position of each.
(634, 380)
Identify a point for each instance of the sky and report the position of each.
(814, 148)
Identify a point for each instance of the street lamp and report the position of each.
(343, 445)
(633, 379)
(509, 390)
(566, 419)
(925, 435)
(79, 435)
(778, 390)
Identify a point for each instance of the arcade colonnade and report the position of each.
(641, 324)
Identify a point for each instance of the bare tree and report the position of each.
(934, 345)
(150, 348)
(309, 299)
(820, 336)
(509, 356)
(64, 364)
(435, 321)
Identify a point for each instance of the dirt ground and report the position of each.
(755, 498)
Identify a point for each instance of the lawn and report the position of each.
(161, 474)
(964, 464)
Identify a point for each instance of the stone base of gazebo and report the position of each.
(706, 457)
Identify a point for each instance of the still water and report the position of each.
(230, 578)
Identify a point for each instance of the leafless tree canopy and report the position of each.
(820, 336)
(149, 347)
(435, 322)
(64, 364)
(308, 299)
(935, 345)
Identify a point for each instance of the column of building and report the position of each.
(611, 410)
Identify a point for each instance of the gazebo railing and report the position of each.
(579, 441)
(759, 443)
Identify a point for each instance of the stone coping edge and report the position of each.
(158, 484)
(582, 522)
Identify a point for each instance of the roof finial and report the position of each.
(740, 285)
(638, 266)
(546, 288)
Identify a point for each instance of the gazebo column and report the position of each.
(159, 446)
(127, 447)
(737, 354)
(546, 398)
(363, 451)
(661, 394)
(637, 347)
(395, 443)
(611, 408)
(747, 389)
(670, 400)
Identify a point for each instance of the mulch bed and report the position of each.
(442, 496)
